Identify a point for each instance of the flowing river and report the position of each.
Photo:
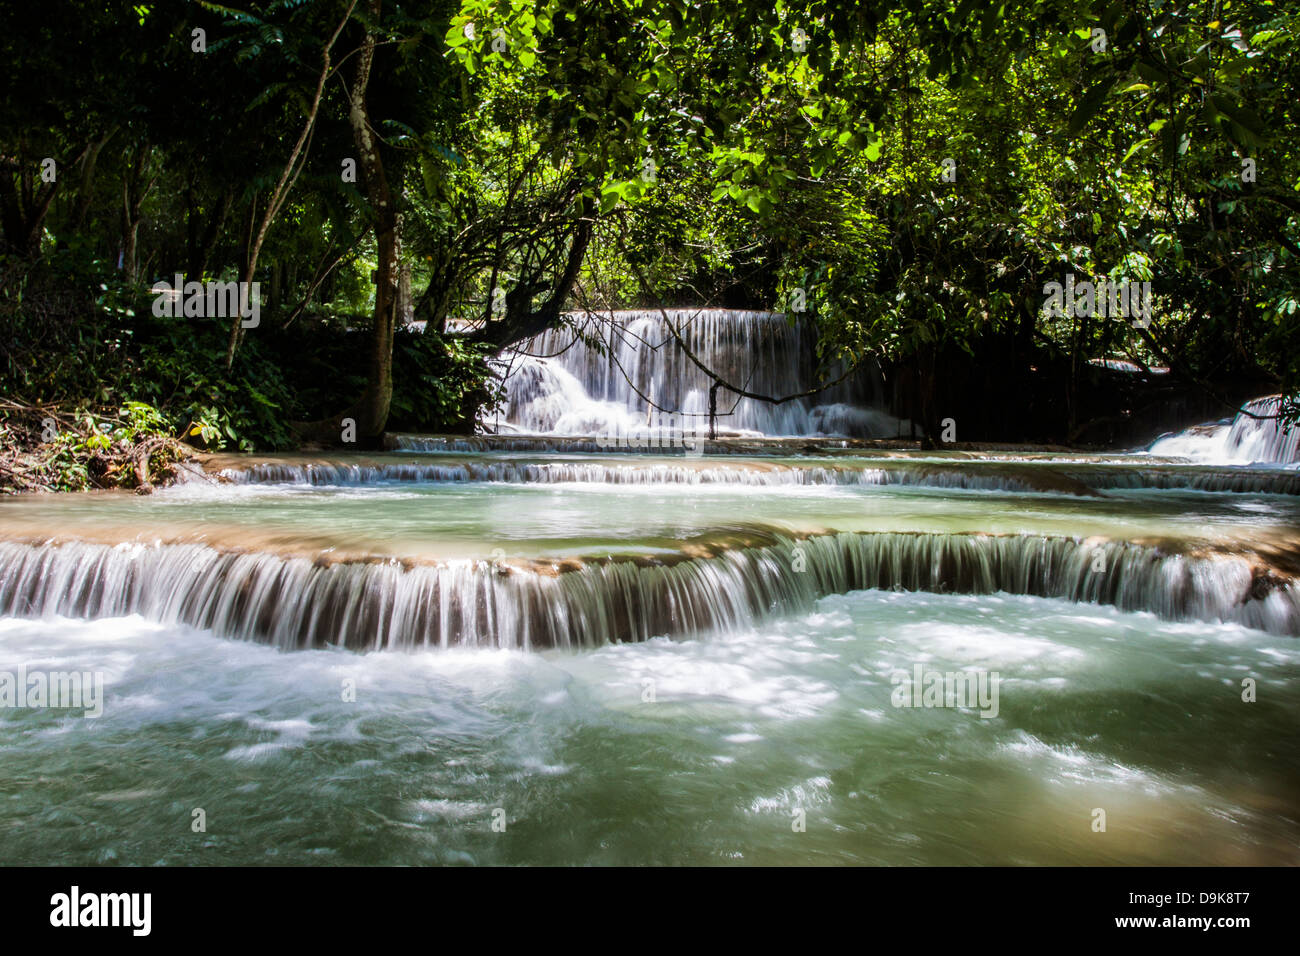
(522, 651)
(377, 671)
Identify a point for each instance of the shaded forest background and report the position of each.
(912, 172)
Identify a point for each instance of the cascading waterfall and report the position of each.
(297, 602)
(640, 378)
(1074, 480)
(1229, 480)
(1263, 439)
(1255, 436)
(332, 474)
(335, 474)
(505, 443)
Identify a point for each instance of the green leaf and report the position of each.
(1134, 148)
(1089, 105)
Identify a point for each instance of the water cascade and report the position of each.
(625, 373)
(298, 602)
(1078, 479)
(1255, 436)
(501, 603)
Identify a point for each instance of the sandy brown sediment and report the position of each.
(325, 551)
(1273, 556)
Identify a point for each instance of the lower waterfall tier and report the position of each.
(298, 602)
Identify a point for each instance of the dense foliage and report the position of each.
(913, 173)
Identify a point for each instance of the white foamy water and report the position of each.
(693, 751)
(641, 381)
(1246, 440)
(1119, 685)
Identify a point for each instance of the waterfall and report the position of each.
(1182, 478)
(1073, 479)
(483, 443)
(336, 474)
(298, 602)
(1247, 440)
(1263, 439)
(626, 373)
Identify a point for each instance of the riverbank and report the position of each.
(109, 456)
(102, 452)
(46, 448)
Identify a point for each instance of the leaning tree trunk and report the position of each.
(370, 412)
(85, 191)
(289, 175)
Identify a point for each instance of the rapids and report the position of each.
(525, 648)
(697, 751)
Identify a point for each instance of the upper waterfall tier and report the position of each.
(627, 373)
(1255, 436)
(1067, 476)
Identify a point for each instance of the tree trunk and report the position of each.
(289, 175)
(86, 189)
(370, 412)
(201, 246)
(405, 314)
(516, 326)
(23, 207)
(134, 191)
(435, 301)
(130, 229)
